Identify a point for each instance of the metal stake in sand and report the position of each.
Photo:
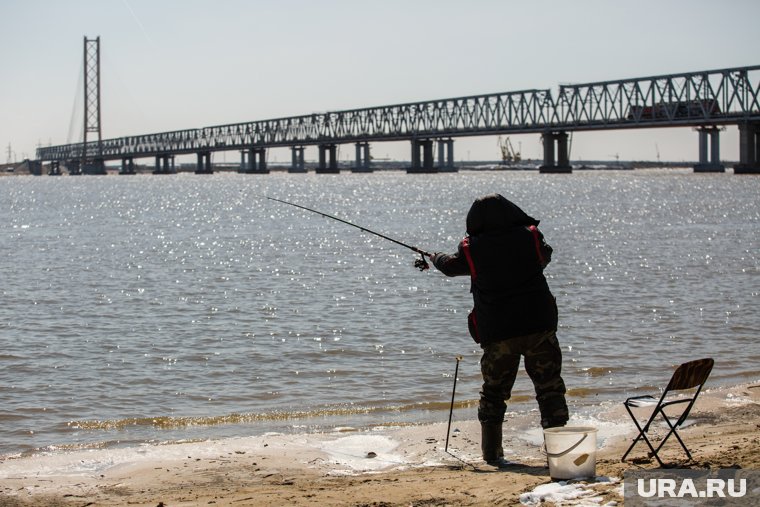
(451, 410)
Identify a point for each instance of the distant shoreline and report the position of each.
(23, 168)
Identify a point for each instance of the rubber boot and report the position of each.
(490, 442)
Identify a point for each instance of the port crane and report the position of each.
(508, 152)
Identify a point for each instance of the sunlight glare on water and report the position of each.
(153, 308)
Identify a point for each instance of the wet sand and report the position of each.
(385, 466)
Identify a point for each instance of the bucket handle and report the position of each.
(560, 454)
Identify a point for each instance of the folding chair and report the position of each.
(687, 376)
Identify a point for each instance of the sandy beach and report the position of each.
(383, 466)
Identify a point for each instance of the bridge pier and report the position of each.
(711, 165)
(73, 167)
(127, 166)
(562, 164)
(297, 164)
(55, 168)
(328, 166)
(253, 161)
(164, 165)
(749, 149)
(362, 159)
(203, 165)
(94, 167)
(245, 158)
(422, 162)
(446, 156)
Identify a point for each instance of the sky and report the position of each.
(171, 65)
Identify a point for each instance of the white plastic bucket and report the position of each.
(571, 452)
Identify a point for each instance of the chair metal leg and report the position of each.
(642, 434)
(678, 437)
(690, 376)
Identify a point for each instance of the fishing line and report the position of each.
(420, 263)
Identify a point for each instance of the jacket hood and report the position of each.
(493, 213)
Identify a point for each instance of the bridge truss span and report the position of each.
(705, 99)
(698, 98)
(475, 115)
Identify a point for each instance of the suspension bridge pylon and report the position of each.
(91, 160)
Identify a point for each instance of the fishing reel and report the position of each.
(421, 263)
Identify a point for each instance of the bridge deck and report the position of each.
(713, 97)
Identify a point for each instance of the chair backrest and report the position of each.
(691, 374)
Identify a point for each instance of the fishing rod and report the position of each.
(420, 263)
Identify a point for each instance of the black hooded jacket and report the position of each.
(509, 289)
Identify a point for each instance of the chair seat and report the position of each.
(641, 401)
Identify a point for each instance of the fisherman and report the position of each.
(514, 314)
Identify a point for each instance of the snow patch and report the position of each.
(569, 493)
(363, 453)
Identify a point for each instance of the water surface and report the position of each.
(149, 308)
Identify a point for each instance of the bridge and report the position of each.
(705, 100)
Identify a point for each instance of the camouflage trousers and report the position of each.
(543, 363)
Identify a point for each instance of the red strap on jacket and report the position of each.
(537, 241)
(472, 321)
(468, 256)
